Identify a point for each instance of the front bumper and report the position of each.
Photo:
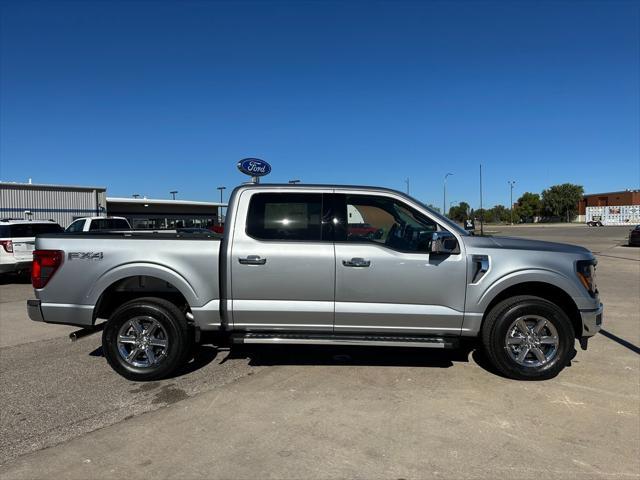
(592, 321)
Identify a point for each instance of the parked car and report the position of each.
(634, 237)
(363, 230)
(195, 230)
(287, 272)
(91, 224)
(17, 241)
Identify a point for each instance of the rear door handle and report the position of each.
(252, 260)
(356, 262)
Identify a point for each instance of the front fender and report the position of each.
(482, 297)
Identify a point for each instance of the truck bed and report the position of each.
(99, 264)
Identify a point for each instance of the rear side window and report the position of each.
(33, 229)
(109, 224)
(285, 216)
(39, 229)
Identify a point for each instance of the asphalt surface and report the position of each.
(293, 412)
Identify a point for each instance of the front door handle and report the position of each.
(252, 260)
(356, 262)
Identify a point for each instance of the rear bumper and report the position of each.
(14, 266)
(63, 313)
(592, 321)
(33, 309)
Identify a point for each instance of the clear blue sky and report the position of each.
(147, 97)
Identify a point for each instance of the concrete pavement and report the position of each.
(333, 413)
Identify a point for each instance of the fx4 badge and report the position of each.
(85, 255)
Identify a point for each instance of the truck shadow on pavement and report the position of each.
(621, 341)
(203, 355)
(270, 355)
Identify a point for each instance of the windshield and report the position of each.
(444, 220)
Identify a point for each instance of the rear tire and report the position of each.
(147, 339)
(528, 338)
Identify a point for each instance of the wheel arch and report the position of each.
(544, 290)
(118, 287)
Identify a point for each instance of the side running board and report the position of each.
(329, 339)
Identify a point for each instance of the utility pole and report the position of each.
(511, 184)
(173, 194)
(407, 182)
(444, 195)
(221, 188)
(481, 209)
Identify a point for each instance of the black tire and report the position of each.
(173, 326)
(499, 323)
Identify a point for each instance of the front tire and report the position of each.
(146, 339)
(528, 338)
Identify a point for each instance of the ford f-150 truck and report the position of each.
(294, 268)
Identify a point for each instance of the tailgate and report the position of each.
(23, 249)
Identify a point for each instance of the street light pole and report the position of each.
(444, 195)
(173, 194)
(221, 201)
(511, 184)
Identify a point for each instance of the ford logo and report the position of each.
(254, 167)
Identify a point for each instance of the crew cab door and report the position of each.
(386, 281)
(282, 262)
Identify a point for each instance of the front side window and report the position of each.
(384, 221)
(285, 216)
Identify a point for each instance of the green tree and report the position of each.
(433, 207)
(459, 212)
(562, 200)
(528, 206)
(500, 213)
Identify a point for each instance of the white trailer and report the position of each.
(613, 215)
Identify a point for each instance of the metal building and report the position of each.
(61, 203)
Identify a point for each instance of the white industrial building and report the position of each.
(61, 203)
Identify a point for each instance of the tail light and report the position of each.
(45, 263)
(7, 245)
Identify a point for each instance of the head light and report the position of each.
(586, 271)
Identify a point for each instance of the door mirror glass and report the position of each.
(443, 243)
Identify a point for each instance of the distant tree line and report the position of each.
(558, 202)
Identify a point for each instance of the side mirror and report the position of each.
(443, 243)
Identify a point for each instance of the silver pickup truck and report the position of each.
(320, 264)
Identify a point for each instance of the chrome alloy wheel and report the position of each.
(532, 341)
(142, 342)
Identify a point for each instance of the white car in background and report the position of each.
(17, 240)
(91, 224)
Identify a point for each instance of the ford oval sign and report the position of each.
(254, 167)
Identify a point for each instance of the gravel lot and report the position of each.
(328, 412)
